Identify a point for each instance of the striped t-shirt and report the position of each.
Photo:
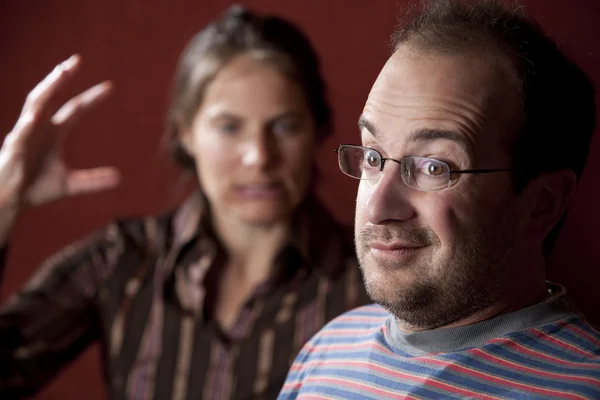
(541, 352)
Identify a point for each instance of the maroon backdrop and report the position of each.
(136, 43)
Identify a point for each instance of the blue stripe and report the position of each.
(517, 376)
(373, 381)
(578, 341)
(586, 327)
(411, 366)
(392, 358)
(333, 392)
(531, 341)
(511, 354)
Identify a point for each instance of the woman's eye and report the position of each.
(228, 127)
(285, 127)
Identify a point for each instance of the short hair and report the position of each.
(557, 97)
(270, 39)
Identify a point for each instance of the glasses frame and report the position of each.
(384, 159)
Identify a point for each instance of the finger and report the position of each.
(72, 110)
(39, 98)
(25, 124)
(91, 180)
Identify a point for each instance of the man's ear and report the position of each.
(552, 193)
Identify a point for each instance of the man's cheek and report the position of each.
(361, 211)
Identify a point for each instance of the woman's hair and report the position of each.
(269, 39)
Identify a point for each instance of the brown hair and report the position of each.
(269, 38)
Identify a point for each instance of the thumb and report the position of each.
(84, 181)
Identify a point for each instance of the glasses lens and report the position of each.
(359, 162)
(425, 173)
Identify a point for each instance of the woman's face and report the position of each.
(253, 139)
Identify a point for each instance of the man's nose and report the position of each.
(389, 197)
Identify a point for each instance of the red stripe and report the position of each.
(341, 347)
(496, 380)
(530, 370)
(300, 336)
(312, 396)
(337, 382)
(348, 332)
(580, 332)
(560, 343)
(543, 356)
(222, 372)
(389, 372)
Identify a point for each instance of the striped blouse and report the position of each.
(542, 352)
(138, 287)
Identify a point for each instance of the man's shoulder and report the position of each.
(351, 337)
(352, 327)
(366, 317)
(570, 342)
(573, 334)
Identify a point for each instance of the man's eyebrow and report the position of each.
(364, 123)
(431, 135)
(421, 135)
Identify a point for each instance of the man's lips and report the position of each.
(393, 246)
(396, 253)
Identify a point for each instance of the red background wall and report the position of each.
(136, 43)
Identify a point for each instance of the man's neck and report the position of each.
(518, 290)
(525, 299)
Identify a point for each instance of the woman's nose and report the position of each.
(258, 152)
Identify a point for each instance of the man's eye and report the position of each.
(432, 167)
(435, 169)
(372, 158)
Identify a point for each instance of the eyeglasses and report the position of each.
(421, 173)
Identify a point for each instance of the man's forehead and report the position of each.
(414, 70)
(431, 96)
(461, 89)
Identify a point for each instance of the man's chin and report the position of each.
(388, 273)
(386, 286)
(400, 290)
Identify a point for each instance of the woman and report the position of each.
(215, 299)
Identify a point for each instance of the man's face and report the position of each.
(435, 257)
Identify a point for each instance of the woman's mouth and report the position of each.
(263, 191)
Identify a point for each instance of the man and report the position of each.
(473, 138)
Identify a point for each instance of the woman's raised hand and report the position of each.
(32, 171)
